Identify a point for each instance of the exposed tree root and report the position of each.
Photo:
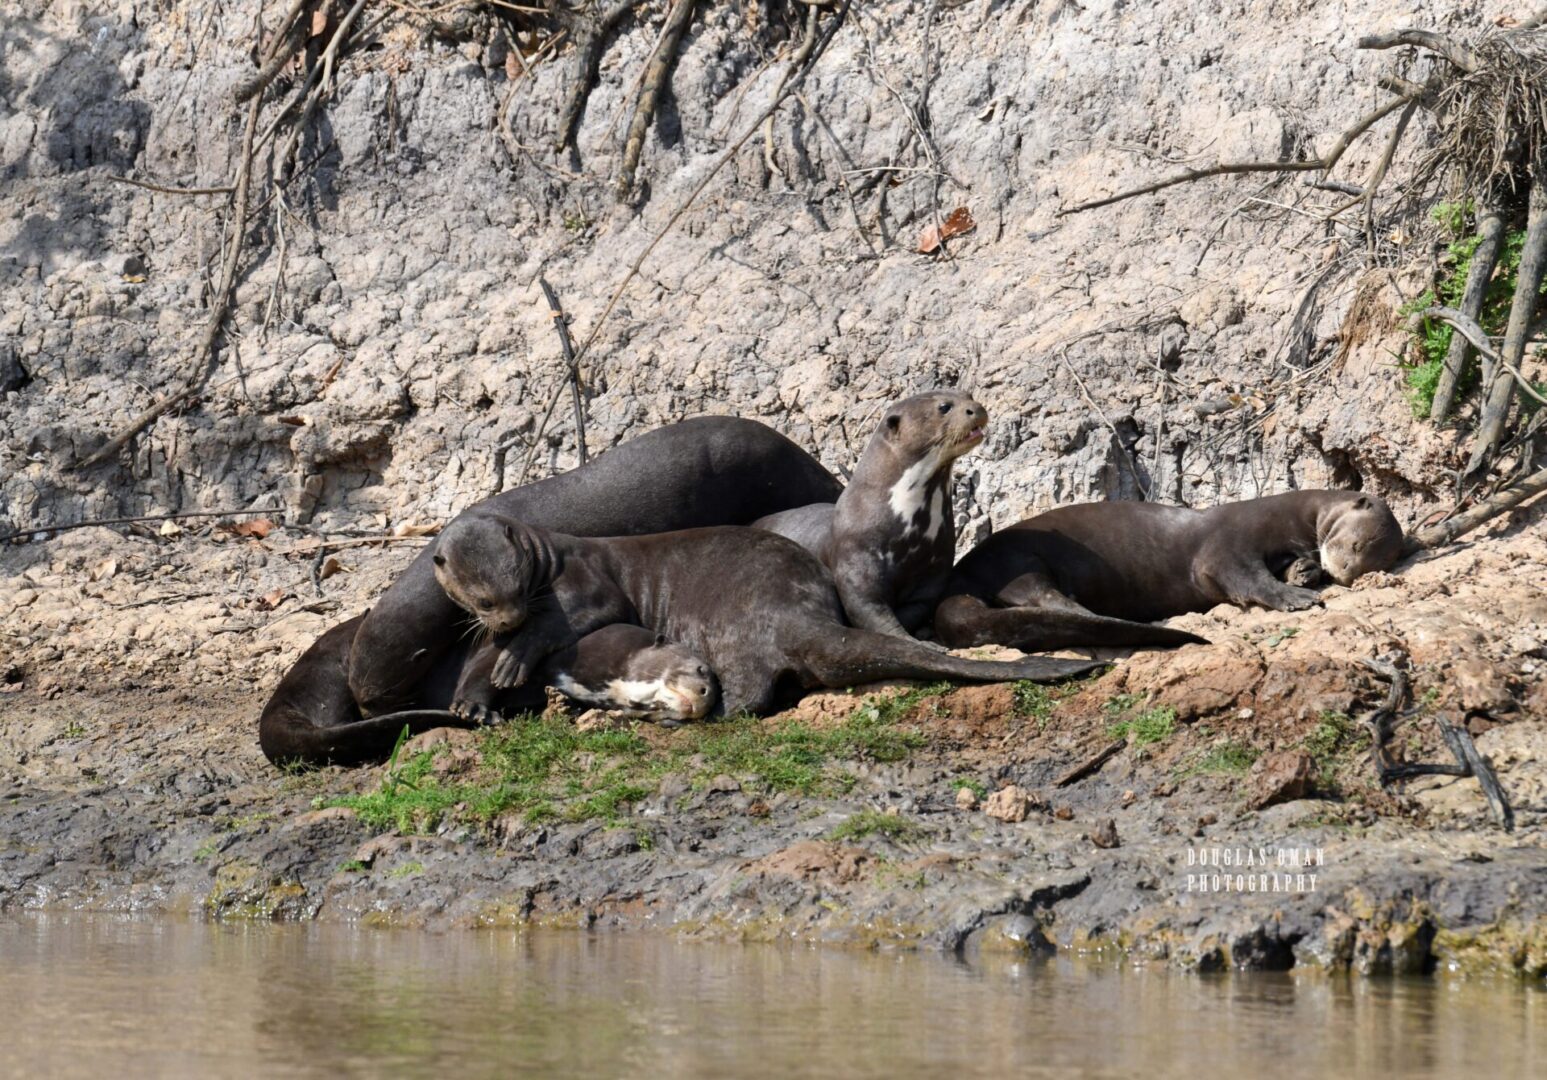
(657, 76)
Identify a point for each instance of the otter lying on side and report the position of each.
(312, 718)
(890, 538)
(759, 609)
(1095, 574)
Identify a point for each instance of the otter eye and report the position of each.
(945, 407)
(486, 605)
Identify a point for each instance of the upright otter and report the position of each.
(1072, 576)
(758, 608)
(312, 718)
(891, 537)
(711, 470)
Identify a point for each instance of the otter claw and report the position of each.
(509, 671)
(481, 715)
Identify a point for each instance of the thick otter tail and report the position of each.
(963, 621)
(290, 737)
(313, 719)
(853, 656)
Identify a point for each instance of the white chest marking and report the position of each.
(907, 495)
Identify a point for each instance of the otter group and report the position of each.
(714, 567)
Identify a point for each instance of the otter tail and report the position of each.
(857, 656)
(312, 717)
(290, 737)
(963, 621)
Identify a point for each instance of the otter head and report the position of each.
(937, 427)
(486, 566)
(669, 682)
(1358, 535)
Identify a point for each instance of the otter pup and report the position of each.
(758, 608)
(312, 718)
(1094, 574)
(891, 537)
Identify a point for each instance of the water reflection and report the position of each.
(88, 996)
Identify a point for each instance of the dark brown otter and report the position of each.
(312, 718)
(759, 609)
(891, 537)
(712, 470)
(1095, 574)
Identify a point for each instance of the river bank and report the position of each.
(1236, 822)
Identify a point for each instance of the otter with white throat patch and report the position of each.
(891, 537)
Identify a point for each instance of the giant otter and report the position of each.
(711, 470)
(1094, 574)
(759, 609)
(891, 537)
(312, 718)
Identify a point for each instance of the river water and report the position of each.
(99, 996)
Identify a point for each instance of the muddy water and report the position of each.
(98, 996)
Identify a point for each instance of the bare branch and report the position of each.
(1458, 54)
(1502, 502)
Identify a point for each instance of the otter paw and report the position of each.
(1296, 599)
(510, 670)
(475, 713)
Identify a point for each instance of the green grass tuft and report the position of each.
(1226, 759)
(1147, 727)
(1332, 743)
(874, 823)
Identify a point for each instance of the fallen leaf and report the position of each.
(271, 600)
(959, 221)
(293, 421)
(170, 528)
(330, 566)
(134, 279)
(258, 528)
(104, 569)
(410, 529)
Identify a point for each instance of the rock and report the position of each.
(1477, 684)
(1279, 777)
(1104, 835)
(1064, 813)
(1010, 803)
(966, 799)
(455, 738)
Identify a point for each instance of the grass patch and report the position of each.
(1037, 701)
(408, 869)
(1227, 759)
(1332, 743)
(874, 823)
(352, 866)
(1145, 727)
(977, 787)
(546, 770)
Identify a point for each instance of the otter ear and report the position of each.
(660, 639)
(1362, 503)
(893, 422)
(438, 559)
(510, 533)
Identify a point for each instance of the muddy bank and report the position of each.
(910, 817)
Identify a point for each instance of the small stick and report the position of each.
(165, 190)
(288, 39)
(1472, 333)
(1459, 55)
(1443, 532)
(657, 74)
(1187, 176)
(1091, 765)
(561, 324)
(131, 521)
